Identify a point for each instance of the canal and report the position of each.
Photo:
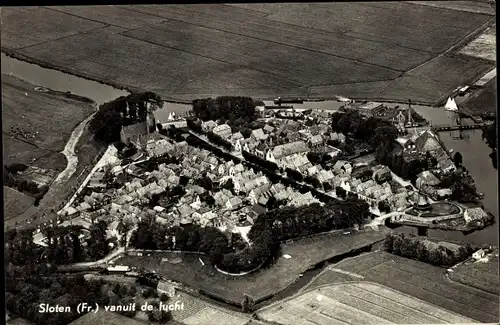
(475, 152)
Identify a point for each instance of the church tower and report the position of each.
(150, 119)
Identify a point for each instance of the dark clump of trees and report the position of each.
(194, 125)
(269, 165)
(490, 137)
(125, 110)
(23, 185)
(418, 248)
(30, 283)
(293, 174)
(379, 133)
(236, 111)
(218, 140)
(462, 187)
(16, 168)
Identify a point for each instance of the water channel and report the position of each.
(475, 152)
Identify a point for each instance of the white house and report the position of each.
(479, 254)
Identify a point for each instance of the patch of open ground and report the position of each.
(260, 50)
(15, 202)
(484, 46)
(484, 100)
(481, 275)
(484, 7)
(419, 280)
(37, 123)
(356, 303)
(264, 283)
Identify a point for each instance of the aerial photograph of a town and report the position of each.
(314, 163)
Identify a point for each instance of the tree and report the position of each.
(398, 244)
(388, 243)
(422, 252)
(435, 257)
(457, 159)
(247, 304)
(164, 297)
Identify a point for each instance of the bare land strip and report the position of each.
(356, 303)
(208, 50)
(483, 101)
(482, 7)
(264, 283)
(15, 202)
(481, 275)
(419, 280)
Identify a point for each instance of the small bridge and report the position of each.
(449, 127)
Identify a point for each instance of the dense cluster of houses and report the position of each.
(252, 190)
(285, 142)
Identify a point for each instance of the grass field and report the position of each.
(361, 50)
(15, 202)
(356, 303)
(483, 101)
(41, 116)
(480, 275)
(264, 283)
(34, 111)
(484, 46)
(419, 280)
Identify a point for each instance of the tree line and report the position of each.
(28, 187)
(234, 110)
(415, 248)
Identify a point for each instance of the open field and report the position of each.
(15, 202)
(480, 275)
(356, 303)
(33, 132)
(260, 50)
(31, 122)
(483, 101)
(470, 6)
(16, 150)
(419, 280)
(484, 46)
(264, 283)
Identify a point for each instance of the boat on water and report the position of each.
(451, 105)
